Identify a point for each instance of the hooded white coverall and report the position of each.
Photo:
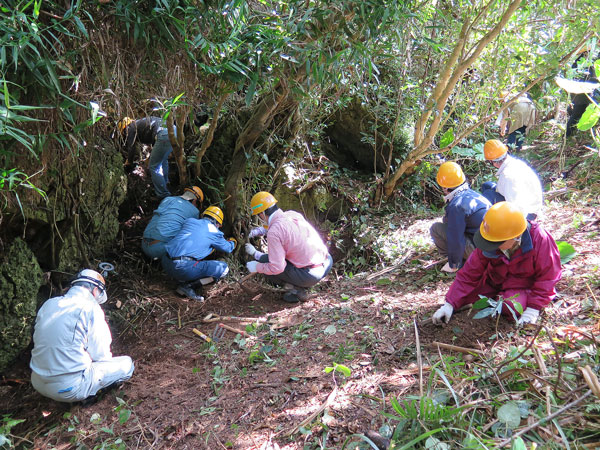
(71, 358)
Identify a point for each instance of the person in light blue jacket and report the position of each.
(185, 254)
(465, 209)
(168, 219)
(71, 358)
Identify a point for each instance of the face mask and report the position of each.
(102, 298)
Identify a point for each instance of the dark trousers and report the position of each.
(488, 190)
(301, 277)
(575, 111)
(516, 138)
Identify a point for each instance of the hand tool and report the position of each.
(216, 318)
(202, 335)
(243, 280)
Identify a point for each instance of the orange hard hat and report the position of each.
(261, 201)
(503, 221)
(450, 175)
(197, 192)
(124, 123)
(494, 149)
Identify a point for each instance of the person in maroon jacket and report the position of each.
(513, 257)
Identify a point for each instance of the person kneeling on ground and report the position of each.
(71, 358)
(465, 209)
(168, 219)
(514, 257)
(297, 256)
(517, 182)
(185, 253)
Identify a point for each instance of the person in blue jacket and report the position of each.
(185, 253)
(465, 209)
(168, 219)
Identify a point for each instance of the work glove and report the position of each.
(232, 239)
(256, 232)
(443, 314)
(250, 250)
(449, 269)
(530, 315)
(251, 266)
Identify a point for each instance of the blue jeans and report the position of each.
(152, 249)
(305, 277)
(186, 271)
(159, 163)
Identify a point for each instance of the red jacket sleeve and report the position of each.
(547, 270)
(468, 280)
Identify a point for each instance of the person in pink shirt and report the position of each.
(514, 257)
(297, 256)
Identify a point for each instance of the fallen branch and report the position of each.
(419, 359)
(457, 348)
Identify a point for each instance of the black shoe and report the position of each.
(187, 291)
(290, 297)
(88, 401)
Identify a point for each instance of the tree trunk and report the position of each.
(209, 134)
(177, 142)
(452, 72)
(260, 120)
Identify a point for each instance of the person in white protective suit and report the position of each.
(71, 358)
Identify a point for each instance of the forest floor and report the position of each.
(270, 389)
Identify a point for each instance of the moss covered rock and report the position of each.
(20, 280)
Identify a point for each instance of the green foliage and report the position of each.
(344, 370)
(567, 251)
(6, 425)
(492, 307)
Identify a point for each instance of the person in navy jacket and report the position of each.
(465, 209)
(185, 254)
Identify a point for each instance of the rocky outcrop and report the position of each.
(20, 280)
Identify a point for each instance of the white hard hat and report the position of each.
(94, 278)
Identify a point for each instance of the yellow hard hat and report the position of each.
(494, 149)
(261, 201)
(124, 123)
(503, 221)
(197, 192)
(450, 175)
(214, 212)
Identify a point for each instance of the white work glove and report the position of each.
(530, 315)
(443, 314)
(449, 269)
(250, 249)
(258, 231)
(251, 266)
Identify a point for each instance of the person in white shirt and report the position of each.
(517, 182)
(71, 358)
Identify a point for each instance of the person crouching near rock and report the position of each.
(185, 253)
(297, 258)
(513, 257)
(71, 358)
